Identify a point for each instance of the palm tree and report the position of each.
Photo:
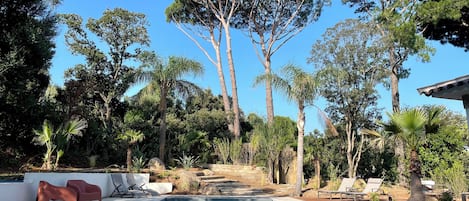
(46, 137)
(411, 125)
(131, 136)
(57, 140)
(168, 78)
(301, 88)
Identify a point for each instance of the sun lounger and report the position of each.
(120, 188)
(372, 185)
(345, 186)
(133, 184)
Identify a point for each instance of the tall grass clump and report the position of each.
(236, 147)
(222, 149)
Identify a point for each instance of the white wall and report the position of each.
(15, 191)
(103, 180)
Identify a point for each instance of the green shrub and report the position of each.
(374, 196)
(138, 163)
(187, 161)
(446, 196)
(453, 177)
(164, 174)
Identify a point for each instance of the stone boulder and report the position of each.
(209, 190)
(155, 164)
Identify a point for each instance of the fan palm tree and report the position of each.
(411, 126)
(132, 137)
(46, 137)
(301, 88)
(57, 140)
(168, 78)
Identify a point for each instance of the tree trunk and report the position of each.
(270, 172)
(221, 78)
(394, 81)
(129, 157)
(218, 64)
(234, 88)
(162, 132)
(350, 147)
(279, 170)
(400, 154)
(47, 163)
(399, 148)
(268, 92)
(281, 177)
(317, 164)
(416, 191)
(106, 117)
(301, 129)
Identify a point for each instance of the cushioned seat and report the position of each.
(47, 191)
(85, 191)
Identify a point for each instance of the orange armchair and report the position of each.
(47, 191)
(85, 191)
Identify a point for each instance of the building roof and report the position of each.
(451, 89)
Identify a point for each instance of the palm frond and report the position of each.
(74, 127)
(45, 135)
(326, 122)
(178, 67)
(433, 118)
(185, 88)
(370, 132)
(149, 59)
(412, 125)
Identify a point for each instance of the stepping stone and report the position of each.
(210, 177)
(219, 181)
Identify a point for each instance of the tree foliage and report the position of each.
(351, 64)
(272, 140)
(56, 140)
(270, 25)
(441, 154)
(208, 20)
(395, 21)
(412, 127)
(168, 78)
(27, 28)
(107, 74)
(300, 87)
(445, 21)
(130, 137)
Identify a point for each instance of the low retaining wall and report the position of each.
(103, 180)
(250, 173)
(15, 191)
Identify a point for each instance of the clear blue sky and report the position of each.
(449, 62)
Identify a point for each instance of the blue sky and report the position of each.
(166, 40)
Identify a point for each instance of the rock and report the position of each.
(155, 164)
(210, 190)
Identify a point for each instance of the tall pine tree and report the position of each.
(27, 28)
